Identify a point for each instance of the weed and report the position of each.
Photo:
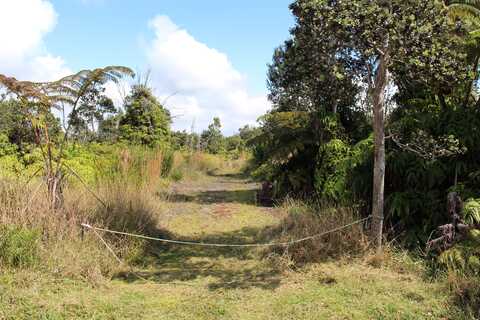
(19, 247)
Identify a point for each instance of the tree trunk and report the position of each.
(381, 80)
(335, 107)
(55, 190)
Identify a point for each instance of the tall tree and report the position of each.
(145, 121)
(376, 40)
(212, 139)
(93, 109)
(468, 12)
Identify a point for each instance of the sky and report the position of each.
(206, 58)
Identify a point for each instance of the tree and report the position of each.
(247, 133)
(108, 128)
(145, 121)
(37, 99)
(212, 139)
(370, 42)
(94, 106)
(468, 12)
(16, 126)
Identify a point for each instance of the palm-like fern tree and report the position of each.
(38, 98)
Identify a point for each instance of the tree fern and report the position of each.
(465, 256)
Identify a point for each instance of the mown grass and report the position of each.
(325, 291)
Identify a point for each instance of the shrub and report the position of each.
(132, 210)
(167, 164)
(471, 211)
(18, 246)
(331, 171)
(62, 250)
(127, 209)
(193, 166)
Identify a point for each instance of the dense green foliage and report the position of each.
(318, 137)
(18, 246)
(212, 138)
(145, 121)
(88, 120)
(317, 141)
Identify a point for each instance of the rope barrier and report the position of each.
(116, 257)
(193, 243)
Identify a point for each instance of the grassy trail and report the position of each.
(222, 283)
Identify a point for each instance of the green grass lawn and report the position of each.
(217, 283)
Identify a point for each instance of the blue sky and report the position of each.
(212, 53)
(98, 32)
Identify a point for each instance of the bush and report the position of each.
(132, 210)
(128, 209)
(331, 171)
(18, 246)
(193, 166)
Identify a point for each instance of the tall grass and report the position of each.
(127, 203)
(304, 220)
(196, 165)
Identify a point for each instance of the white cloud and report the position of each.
(23, 25)
(118, 91)
(204, 80)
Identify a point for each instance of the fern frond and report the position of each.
(452, 259)
(473, 3)
(471, 211)
(467, 10)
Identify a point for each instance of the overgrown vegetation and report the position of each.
(314, 219)
(375, 118)
(354, 72)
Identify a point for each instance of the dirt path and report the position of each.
(218, 209)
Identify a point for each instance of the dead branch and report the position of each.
(453, 232)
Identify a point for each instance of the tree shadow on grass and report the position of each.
(229, 268)
(223, 267)
(237, 176)
(215, 196)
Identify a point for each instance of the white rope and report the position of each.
(116, 257)
(192, 243)
(108, 247)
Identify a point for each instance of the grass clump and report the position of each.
(304, 220)
(176, 175)
(19, 247)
